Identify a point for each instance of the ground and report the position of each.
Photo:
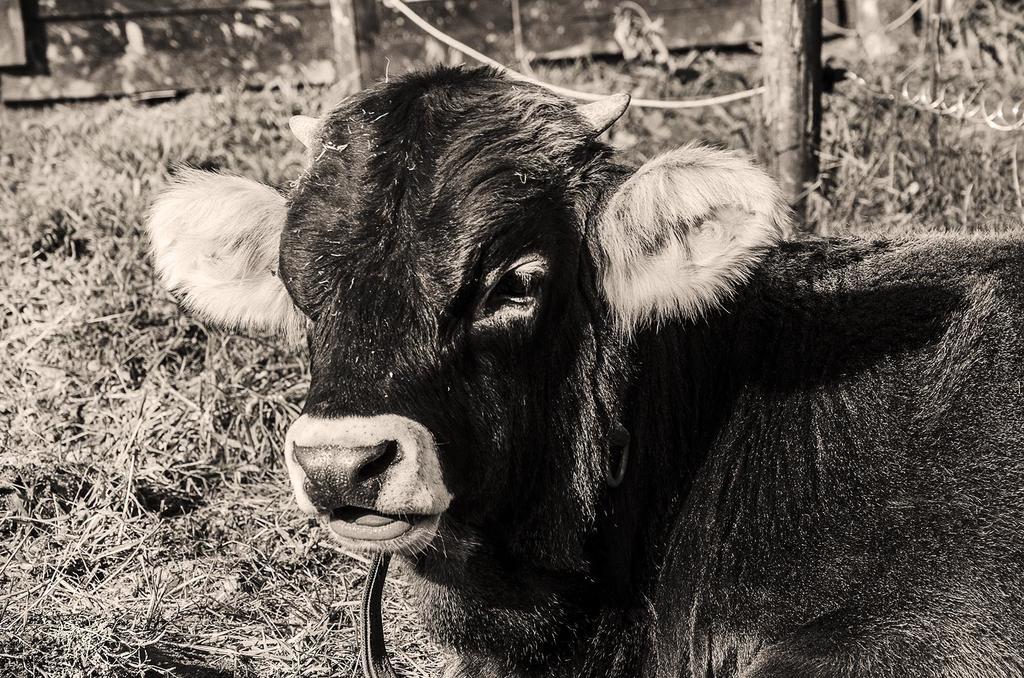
(145, 517)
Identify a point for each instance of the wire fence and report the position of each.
(967, 108)
(465, 49)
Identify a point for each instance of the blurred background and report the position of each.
(146, 526)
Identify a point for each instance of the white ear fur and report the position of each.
(215, 242)
(684, 231)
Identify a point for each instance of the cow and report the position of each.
(610, 421)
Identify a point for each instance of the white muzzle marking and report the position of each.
(411, 485)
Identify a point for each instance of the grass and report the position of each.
(145, 518)
(147, 521)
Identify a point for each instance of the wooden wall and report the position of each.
(552, 29)
(555, 28)
(388, 42)
(86, 48)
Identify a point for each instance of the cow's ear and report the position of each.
(684, 231)
(215, 242)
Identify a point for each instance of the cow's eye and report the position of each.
(515, 287)
(515, 292)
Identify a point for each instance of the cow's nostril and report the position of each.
(339, 476)
(386, 453)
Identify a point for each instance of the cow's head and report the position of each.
(468, 263)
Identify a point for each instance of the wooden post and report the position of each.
(791, 62)
(346, 51)
(933, 12)
(872, 31)
(12, 34)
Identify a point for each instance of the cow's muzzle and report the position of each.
(375, 482)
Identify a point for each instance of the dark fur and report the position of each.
(826, 475)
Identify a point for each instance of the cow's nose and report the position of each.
(339, 476)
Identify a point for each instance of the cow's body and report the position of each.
(860, 510)
(836, 490)
(825, 470)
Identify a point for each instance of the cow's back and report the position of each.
(863, 500)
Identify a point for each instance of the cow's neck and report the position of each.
(686, 379)
(507, 615)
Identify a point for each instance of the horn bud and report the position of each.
(600, 115)
(304, 128)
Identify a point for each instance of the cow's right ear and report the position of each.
(683, 232)
(215, 241)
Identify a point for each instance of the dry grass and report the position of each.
(145, 520)
(148, 522)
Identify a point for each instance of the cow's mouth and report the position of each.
(379, 531)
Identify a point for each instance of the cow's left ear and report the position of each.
(215, 240)
(684, 231)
